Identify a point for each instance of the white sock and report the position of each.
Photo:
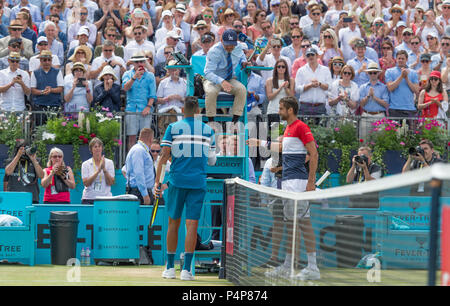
(312, 260)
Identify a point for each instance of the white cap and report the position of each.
(166, 13)
(83, 30)
(41, 39)
(173, 34)
(181, 8)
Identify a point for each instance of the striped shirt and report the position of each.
(295, 138)
(191, 142)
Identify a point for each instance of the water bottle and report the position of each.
(87, 258)
(83, 257)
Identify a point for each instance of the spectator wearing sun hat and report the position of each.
(166, 27)
(140, 86)
(47, 84)
(77, 90)
(14, 45)
(107, 91)
(14, 85)
(15, 29)
(173, 39)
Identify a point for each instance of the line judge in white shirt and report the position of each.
(14, 84)
(311, 83)
(97, 174)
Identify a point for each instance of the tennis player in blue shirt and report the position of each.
(191, 144)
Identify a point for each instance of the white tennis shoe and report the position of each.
(308, 274)
(169, 273)
(186, 275)
(280, 271)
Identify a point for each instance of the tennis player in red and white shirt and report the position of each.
(296, 143)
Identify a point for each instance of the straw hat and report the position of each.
(86, 50)
(372, 67)
(78, 65)
(107, 70)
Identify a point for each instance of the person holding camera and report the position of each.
(140, 86)
(23, 172)
(14, 85)
(421, 156)
(58, 179)
(77, 90)
(363, 169)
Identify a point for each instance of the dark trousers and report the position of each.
(216, 221)
(135, 191)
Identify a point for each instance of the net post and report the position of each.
(434, 228)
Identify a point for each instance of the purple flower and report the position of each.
(428, 126)
(336, 129)
(402, 143)
(63, 123)
(75, 125)
(109, 115)
(106, 109)
(388, 128)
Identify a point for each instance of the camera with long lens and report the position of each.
(416, 151)
(361, 159)
(29, 150)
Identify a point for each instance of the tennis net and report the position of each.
(373, 233)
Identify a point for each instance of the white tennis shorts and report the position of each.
(295, 185)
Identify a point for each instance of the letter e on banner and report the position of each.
(445, 246)
(230, 224)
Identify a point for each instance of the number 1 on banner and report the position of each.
(445, 246)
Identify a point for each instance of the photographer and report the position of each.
(421, 156)
(107, 58)
(363, 169)
(22, 173)
(77, 90)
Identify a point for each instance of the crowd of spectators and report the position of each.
(337, 57)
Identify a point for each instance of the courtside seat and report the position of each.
(17, 243)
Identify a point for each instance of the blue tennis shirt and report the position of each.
(191, 142)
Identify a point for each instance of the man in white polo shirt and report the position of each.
(311, 83)
(14, 84)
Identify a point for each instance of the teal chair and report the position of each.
(18, 243)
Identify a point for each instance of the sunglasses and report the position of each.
(293, 23)
(238, 26)
(15, 29)
(110, 35)
(407, 34)
(338, 64)
(328, 37)
(424, 61)
(46, 60)
(139, 62)
(415, 43)
(57, 156)
(281, 66)
(265, 28)
(445, 44)
(14, 61)
(434, 79)
(155, 151)
(207, 16)
(373, 73)
(201, 28)
(277, 47)
(346, 73)
(306, 46)
(83, 14)
(386, 48)
(109, 50)
(315, 14)
(378, 24)
(15, 46)
(430, 38)
(310, 55)
(396, 11)
(138, 33)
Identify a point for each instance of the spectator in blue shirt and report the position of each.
(35, 12)
(360, 63)
(140, 86)
(402, 84)
(373, 98)
(140, 181)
